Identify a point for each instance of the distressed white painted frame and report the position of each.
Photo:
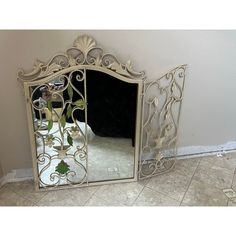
(85, 54)
(61, 64)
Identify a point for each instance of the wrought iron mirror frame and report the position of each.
(86, 55)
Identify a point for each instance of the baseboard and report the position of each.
(193, 151)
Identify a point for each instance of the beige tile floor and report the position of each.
(193, 182)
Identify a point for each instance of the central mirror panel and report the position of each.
(111, 119)
(111, 107)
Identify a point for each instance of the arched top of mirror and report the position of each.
(84, 52)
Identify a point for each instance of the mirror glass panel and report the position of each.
(111, 105)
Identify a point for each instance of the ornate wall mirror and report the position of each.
(94, 120)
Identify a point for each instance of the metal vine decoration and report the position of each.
(162, 103)
(61, 156)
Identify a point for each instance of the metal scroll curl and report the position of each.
(162, 100)
(83, 52)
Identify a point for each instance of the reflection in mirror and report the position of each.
(111, 119)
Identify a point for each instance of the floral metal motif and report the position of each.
(162, 103)
(57, 142)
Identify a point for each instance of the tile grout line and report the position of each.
(121, 202)
(98, 198)
(190, 182)
(138, 195)
(40, 199)
(217, 187)
(118, 202)
(162, 193)
(11, 190)
(46, 193)
(166, 194)
(145, 185)
(19, 195)
(155, 191)
(232, 182)
(231, 185)
(22, 196)
(93, 194)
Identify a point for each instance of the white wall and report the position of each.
(208, 112)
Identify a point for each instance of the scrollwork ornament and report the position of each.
(70, 67)
(83, 52)
(161, 114)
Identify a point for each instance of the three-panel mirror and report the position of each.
(94, 120)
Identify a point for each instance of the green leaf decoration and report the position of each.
(49, 105)
(63, 121)
(80, 103)
(69, 139)
(62, 167)
(70, 91)
(69, 111)
(50, 124)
